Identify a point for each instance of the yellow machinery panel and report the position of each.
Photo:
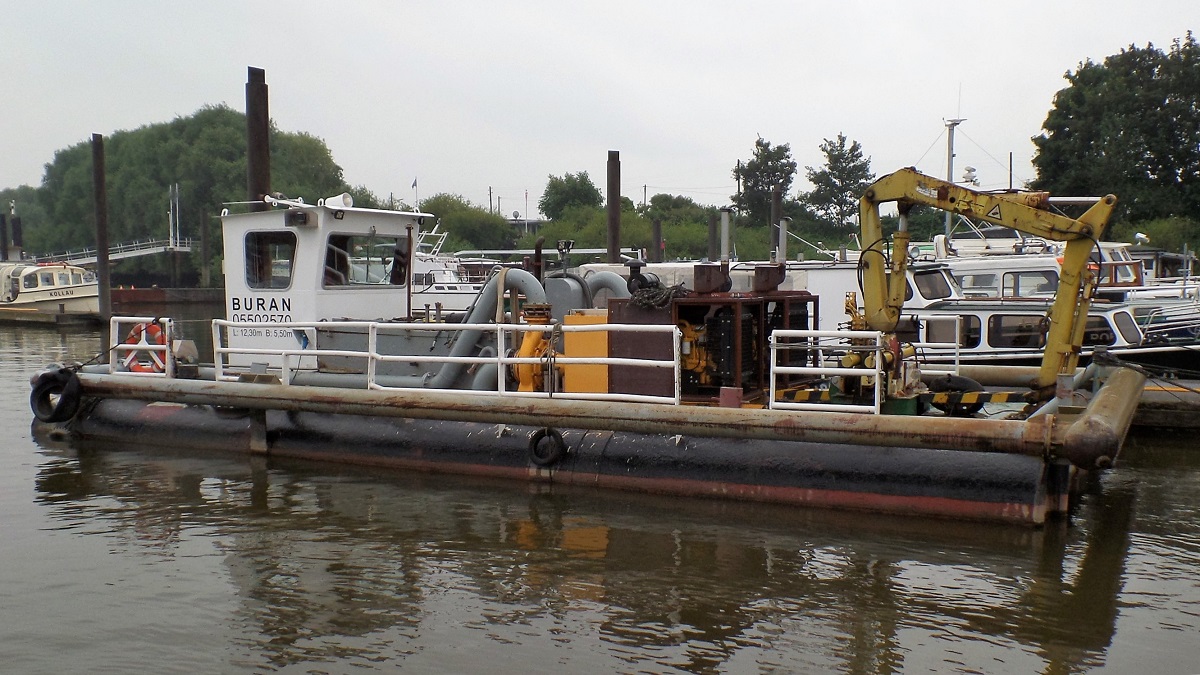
(579, 378)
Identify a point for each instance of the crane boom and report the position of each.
(1028, 212)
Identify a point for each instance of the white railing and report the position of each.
(123, 250)
(1164, 323)
(145, 351)
(954, 348)
(290, 358)
(821, 341)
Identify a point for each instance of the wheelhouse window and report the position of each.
(31, 281)
(1129, 328)
(933, 285)
(270, 258)
(1016, 330)
(47, 278)
(365, 260)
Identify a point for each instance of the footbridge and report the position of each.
(87, 256)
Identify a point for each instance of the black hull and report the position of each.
(904, 480)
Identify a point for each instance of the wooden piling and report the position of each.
(258, 146)
(103, 277)
(614, 207)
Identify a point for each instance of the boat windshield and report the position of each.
(358, 260)
(933, 284)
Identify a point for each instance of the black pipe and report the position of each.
(656, 241)
(204, 274)
(258, 143)
(776, 214)
(103, 279)
(3, 236)
(713, 238)
(539, 261)
(18, 235)
(614, 207)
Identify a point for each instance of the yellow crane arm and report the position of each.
(1027, 212)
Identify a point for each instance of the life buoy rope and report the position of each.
(146, 335)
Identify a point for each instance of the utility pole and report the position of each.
(950, 126)
(490, 210)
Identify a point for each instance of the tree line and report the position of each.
(1128, 125)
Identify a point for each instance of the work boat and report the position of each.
(47, 288)
(704, 393)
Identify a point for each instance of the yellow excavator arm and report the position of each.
(1028, 212)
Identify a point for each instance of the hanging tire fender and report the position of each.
(546, 447)
(56, 396)
(960, 385)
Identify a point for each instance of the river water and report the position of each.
(139, 558)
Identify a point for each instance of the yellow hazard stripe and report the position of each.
(944, 398)
(805, 395)
(969, 397)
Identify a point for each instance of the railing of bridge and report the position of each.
(146, 247)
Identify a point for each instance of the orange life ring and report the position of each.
(146, 334)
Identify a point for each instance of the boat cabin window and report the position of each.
(31, 281)
(941, 329)
(978, 285)
(1030, 284)
(933, 285)
(269, 259)
(47, 279)
(1016, 330)
(76, 278)
(1098, 332)
(365, 260)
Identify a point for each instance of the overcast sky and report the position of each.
(461, 96)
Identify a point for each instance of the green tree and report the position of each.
(838, 185)
(769, 168)
(204, 153)
(29, 209)
(571, 189)
(672, 209)
(468, 226)
(1128, 126)
(1168, 234)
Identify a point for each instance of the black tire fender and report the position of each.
(956, 384)
(546, 447)
(64, 385)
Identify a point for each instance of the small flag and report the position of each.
(414, 184)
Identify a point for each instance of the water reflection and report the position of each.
(330, 563)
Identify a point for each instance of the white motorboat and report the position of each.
(47, 288)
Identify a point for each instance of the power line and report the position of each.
(935, 142)
(982, 149)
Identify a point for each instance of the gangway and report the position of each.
(173, 242)
(87, 256)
